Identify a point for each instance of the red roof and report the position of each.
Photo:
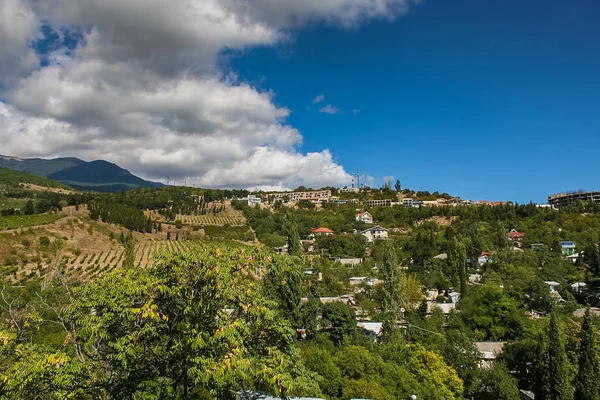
(515, 234)
(485, 253)
(360, 214)
(321, 230)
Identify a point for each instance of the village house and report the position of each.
(365, 217)
(375, 233)
(573, 257)
(484, 258)
(489, 351)
(371, 329)
(349, 262)
(515, 236)
(320, 232)
(568, 248)
(253, 200)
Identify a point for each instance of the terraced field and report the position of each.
(85, 266)
(212, 220)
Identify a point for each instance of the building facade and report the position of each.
(365, 217)
(564, 199)
(375, 233)
(379, 203)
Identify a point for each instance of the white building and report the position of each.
(253, 200)
(375, 233)
(379, 203)
(365, 217)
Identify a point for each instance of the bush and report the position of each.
(44, 241)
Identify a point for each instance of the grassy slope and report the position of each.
(12, 178)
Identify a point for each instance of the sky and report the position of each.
(496, 100)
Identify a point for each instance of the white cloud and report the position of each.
(318, 99)
(145, 87)
(329, 109)
(18, 25)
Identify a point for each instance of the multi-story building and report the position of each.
(564, 199)
(316, 196)
(379, 203)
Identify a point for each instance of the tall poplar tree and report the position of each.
(457, 258)
(392, 290)
(552, 369)
(293, 237)
(587, 385)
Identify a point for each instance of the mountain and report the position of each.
(39, 166)
(11, 178)
(99, 175)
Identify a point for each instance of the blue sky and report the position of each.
(481, 99)
(492, 100)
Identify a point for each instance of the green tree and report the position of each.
(593, 260)
(391, 291)
(129, 253)
(457, 258)
(397, 186)
(587, 386)
(284, 284)
(437, 381)
(490, 313)
(339, 319)
(293, 237)
(495, 383)
(28, 209)
(552, 369)
(193, 326)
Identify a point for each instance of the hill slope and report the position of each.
(99, 175)
(12, 178)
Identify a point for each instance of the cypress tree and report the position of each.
(457, 258)
(552, 370)
(591, 258)
(129, 257)
(28, 210)
(587, 385)
(392, 291)
(293, 237)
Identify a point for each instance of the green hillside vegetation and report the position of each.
(204, 319)
(24, 221)
(10, 179)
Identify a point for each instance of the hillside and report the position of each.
(12, 178)
(99, 175)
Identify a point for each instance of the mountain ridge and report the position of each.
(97, 175)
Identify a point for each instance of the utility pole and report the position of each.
(357, 177)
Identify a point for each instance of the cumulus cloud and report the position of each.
(329, 109)
(144, 87)
(318, 99)
(18, 25)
